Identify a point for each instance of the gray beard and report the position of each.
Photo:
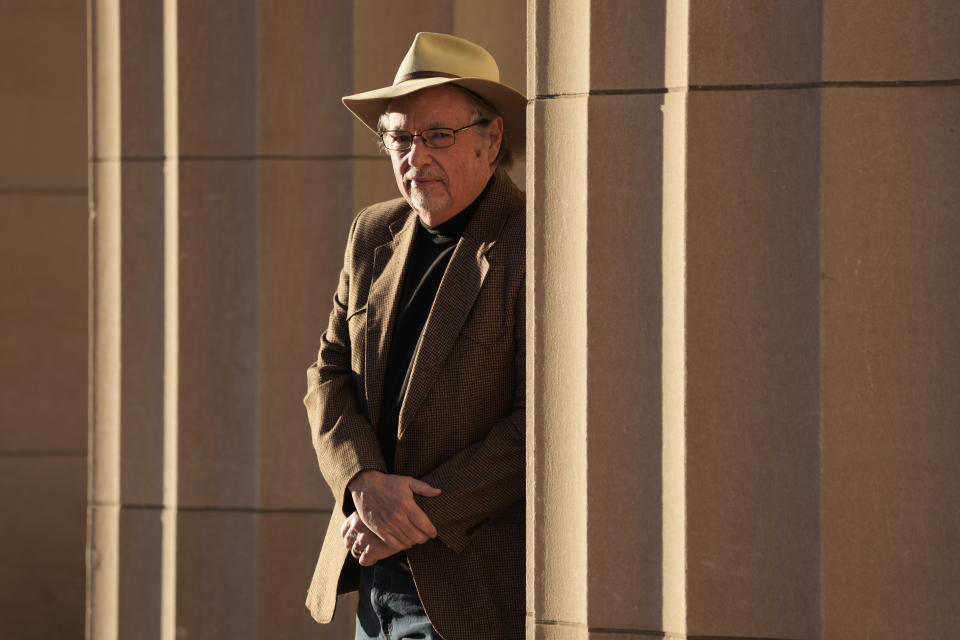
(428, 203)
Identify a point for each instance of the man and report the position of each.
(416, 401)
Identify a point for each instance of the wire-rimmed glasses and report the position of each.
(437, 138)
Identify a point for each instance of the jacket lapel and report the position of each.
(459, 287)
(458, 290)
(389, 264)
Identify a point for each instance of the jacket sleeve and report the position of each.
(344, 440)
(487, 477)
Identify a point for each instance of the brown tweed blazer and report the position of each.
(461, 425)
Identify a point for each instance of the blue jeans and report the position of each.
(389, 606)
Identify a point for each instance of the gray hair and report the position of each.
(480, 110)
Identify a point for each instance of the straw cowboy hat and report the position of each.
(438, 58)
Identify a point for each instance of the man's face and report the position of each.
(439, 183)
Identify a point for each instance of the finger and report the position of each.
(386, 531)
(400, 534)
(421, 537)
(421, 523)
(359, 527)
(363, 544)
(394, 542)
(367, 559)
(421, 488)
(349, 536)
(419, 531)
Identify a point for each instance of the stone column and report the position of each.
(595, 144)
(219, 174)
(673, 460)
(126, 437)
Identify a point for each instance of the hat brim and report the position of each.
(369, 105)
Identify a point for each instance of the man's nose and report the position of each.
(418, 154)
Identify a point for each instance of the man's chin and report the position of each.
(429, 206)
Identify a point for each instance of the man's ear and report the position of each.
(495, 134)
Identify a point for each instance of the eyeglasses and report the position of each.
(439, 138)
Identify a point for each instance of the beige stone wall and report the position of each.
(43, 318)
(890, 318)
(752, 334)
(742, 250)
(742, 261)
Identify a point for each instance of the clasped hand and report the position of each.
(387, 519)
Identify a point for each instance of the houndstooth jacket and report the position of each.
(461, 425)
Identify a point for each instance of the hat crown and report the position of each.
(446, 55)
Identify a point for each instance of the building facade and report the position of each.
(743, 321)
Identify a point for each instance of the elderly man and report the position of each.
(416, 401)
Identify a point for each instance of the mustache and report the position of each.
(420, 174)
